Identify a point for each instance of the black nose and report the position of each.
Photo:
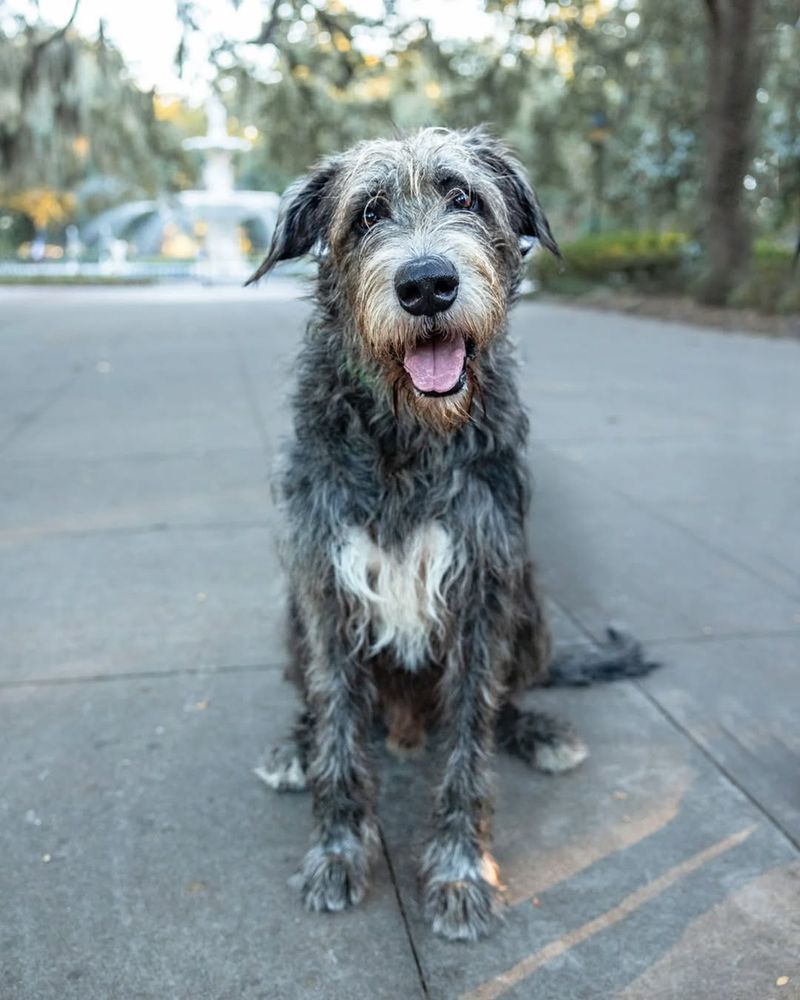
(426, 286)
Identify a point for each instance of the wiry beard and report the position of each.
(442, 414)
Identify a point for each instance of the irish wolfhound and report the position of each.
(412, 597)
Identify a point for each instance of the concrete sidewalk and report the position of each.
(141, 656)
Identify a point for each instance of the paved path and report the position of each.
(140, 658)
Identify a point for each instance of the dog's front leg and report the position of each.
(341, 693)
(459, 874)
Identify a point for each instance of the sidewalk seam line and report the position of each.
(235, 668)
(27, 420)
(404, 916)
(252, 399)
(155, 528)
(669, 640)
(687, 734)
(654, 510)
(720, 767)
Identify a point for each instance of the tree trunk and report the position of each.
(734, 64)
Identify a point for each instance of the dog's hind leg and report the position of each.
(544, 742)
(285, 765)
(532, 642)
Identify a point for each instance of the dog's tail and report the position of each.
(619, 656)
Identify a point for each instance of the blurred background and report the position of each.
(150, 141)
(145, 143)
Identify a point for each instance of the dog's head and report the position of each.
(421, 242)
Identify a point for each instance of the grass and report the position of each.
(72, 279)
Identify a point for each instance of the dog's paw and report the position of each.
(333, 879)
(461, 895)
(282, 770)
(461, 911)
(543, 741)
(561, 754)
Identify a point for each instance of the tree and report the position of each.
(735, 38)
(69, 113)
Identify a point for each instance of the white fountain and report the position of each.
(222, 256)
(202, 225)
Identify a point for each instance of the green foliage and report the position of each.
(69, 112)
(773, 285)
(15, 228)
(624, 257)
(662, 262)
(72, 279)
(769, 254)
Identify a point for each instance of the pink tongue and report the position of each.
(435, 365)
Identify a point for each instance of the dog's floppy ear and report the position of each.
(525, 212)
(303, 217)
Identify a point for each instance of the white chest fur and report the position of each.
(399, 596)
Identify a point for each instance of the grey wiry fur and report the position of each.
(412, 596)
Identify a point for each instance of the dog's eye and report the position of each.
(374, 212)
(463, 201)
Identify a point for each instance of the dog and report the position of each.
(412, 598)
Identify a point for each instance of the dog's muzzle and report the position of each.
(436, 364)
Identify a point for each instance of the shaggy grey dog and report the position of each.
(412, 598)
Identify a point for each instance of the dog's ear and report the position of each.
(303, 217)
(527, 215)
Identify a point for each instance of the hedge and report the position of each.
(629, 256)
(668, 262)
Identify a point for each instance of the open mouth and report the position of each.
(437, 365)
